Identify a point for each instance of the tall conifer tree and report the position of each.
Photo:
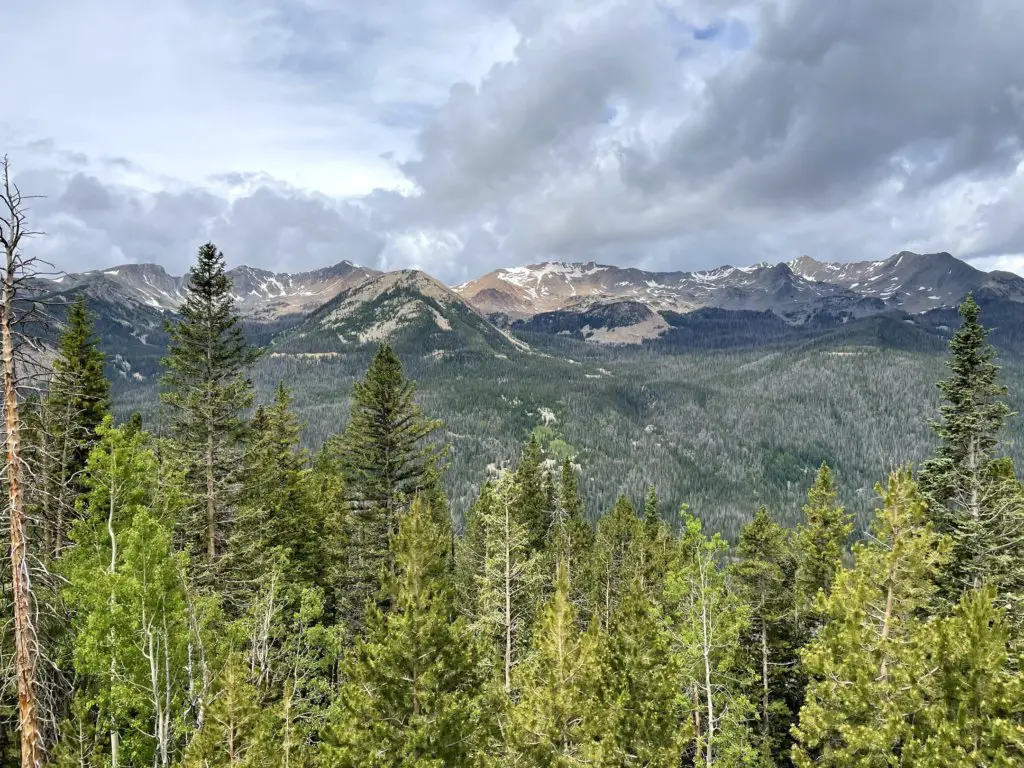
(972, 494)
(616, 558)
(820, 540)
(862, 663)
(506, 579)
(413, 685)
(643, 719)
(555, 723)
(763, 578)
(533, 498)
(205, 386)
(276, 514)
(387, 459)
(78, 399)
(573, 537)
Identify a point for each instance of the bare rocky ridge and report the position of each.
(259, 294)
(907, 281)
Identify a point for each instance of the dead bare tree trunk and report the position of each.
(26, 641)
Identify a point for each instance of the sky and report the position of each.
(466, 135)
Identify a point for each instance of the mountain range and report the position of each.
(338, 307)
(734, 383)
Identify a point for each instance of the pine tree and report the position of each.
(556, 720)
(234, 724)
(974, 713)
(965, 483)
(387, 459)
(533, 498)
(573, 538)
(206, 389)
(655, 548)
(763, 579)
(616, 559)
(78, 399)
(414, 683)
(819, 543)
(643, 721)
(863, 665)
(276, 513)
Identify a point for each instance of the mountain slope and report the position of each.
(913, 282)
(614, 322)
(408, 308)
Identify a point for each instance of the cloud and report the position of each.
(462, 136)
(89, 224)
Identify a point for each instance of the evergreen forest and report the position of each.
(204, 589)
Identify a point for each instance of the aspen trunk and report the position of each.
(211, 504)
(508, 602)
(764, 679)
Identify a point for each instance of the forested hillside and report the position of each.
(721, 429)
(216, 594)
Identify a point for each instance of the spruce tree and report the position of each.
(965, 483)
(533, 498)
(556, 722)
(573, 537)
(643, 719)
(616, 559)
(763, 578)
(863, 665)
(413, 685)
(205, 386)
(820, 540)
(387, 458)
(78, 399)
(276, 513)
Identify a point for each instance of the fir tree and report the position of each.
(556, 721)
(643, 720)
(206, 389)
(78, 399)
(763, 579)
(276, 514)
(533, 498)
(616, 559)
(965, 483)
(573, 537)
(820, 540)
(413, 685)
(387, 459)
(863, 665)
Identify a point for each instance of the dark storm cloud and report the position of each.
(838, 97)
